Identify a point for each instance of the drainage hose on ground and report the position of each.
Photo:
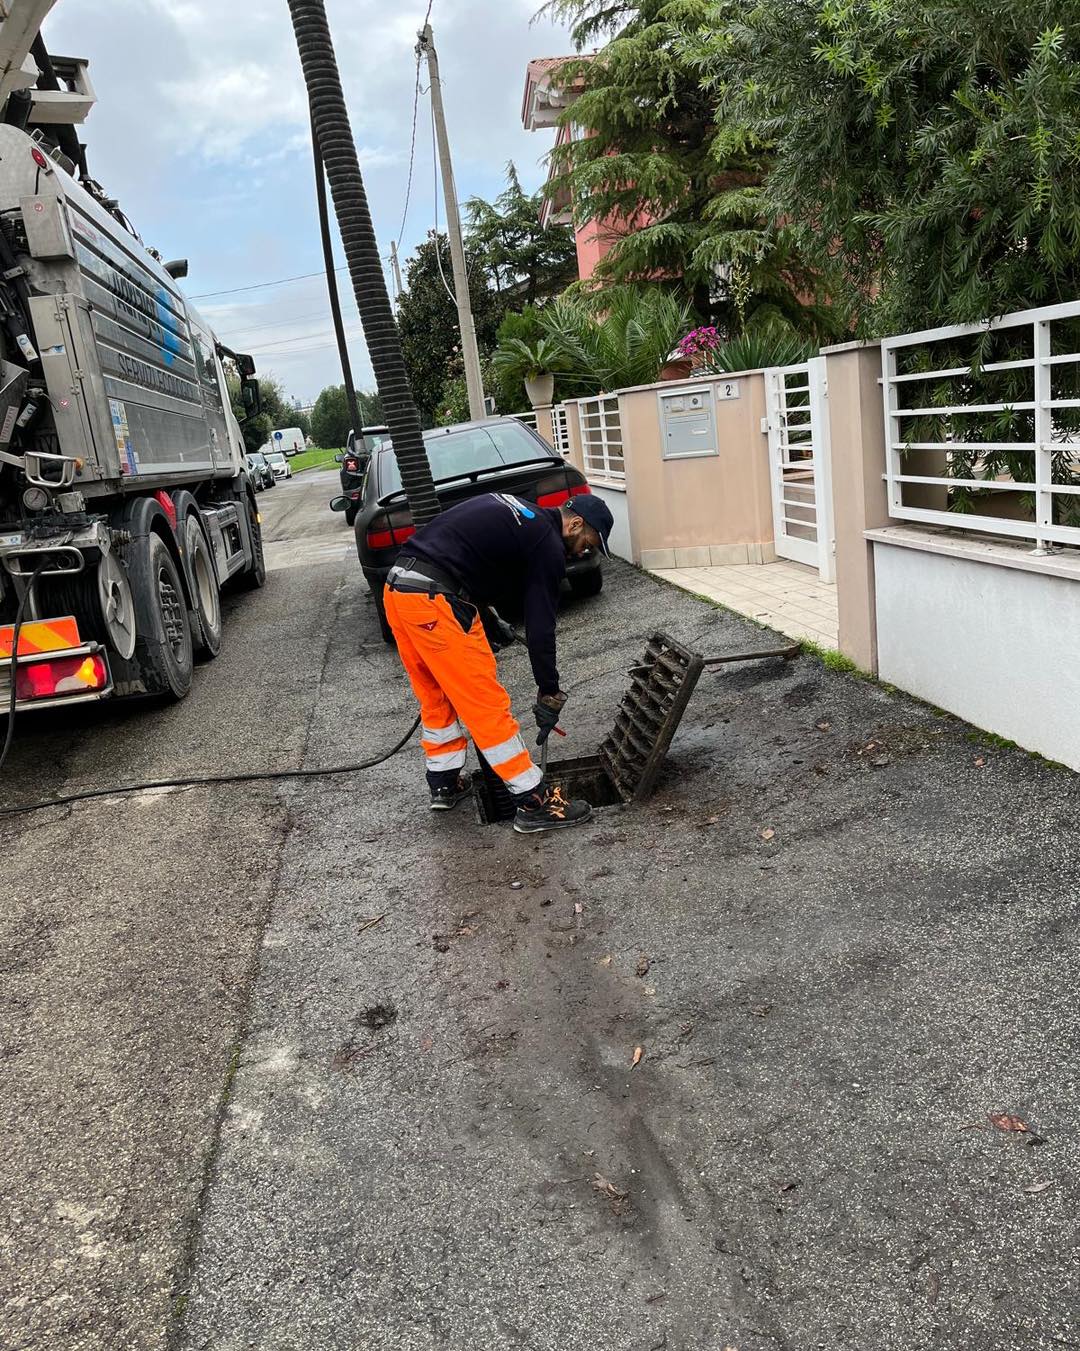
(330, 119)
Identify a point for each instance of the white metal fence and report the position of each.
(559, 429)
(982, 425)
(601, 439)
(529, 419)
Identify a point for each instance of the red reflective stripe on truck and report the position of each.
(165, 502)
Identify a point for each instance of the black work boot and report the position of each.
(445, 797)
(547, 809)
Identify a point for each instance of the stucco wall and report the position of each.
(997, 645)
(713, 508)
(620, 542)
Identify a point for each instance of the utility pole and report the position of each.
(469, 351)
(395, 264)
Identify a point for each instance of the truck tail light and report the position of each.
(55, 677)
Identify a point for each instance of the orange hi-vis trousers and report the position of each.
(453, 675)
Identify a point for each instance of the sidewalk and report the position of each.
(786, 596)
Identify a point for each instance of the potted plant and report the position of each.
(533, 360)
(700, 346)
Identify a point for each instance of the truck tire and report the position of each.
(255, 575)
(203, 585)
(163, 650)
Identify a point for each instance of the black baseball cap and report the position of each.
(595, 512)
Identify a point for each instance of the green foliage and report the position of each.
(520, 256)
(277, 411)
(428, 321)
(331, 420)
(509, 389)
(627, 342)
(657, 155)
(768, 345)
(527, 359)
(928, 149)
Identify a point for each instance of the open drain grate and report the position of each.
(649, 716)
(630, 756)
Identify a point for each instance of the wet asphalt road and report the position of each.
(300, 1067)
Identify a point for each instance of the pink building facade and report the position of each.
(541, 108)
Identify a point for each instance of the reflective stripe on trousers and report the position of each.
(452, 673)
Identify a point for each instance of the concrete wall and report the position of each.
(621, 542)
(859, 496)
(984, 629)
(709, 509)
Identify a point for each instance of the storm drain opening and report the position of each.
(630, 757)
(585, 777)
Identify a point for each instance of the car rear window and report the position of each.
(459, 453)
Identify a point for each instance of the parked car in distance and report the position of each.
(259, 471)
(356, 458)
(289, 440)
(279, 464)
(499, 455)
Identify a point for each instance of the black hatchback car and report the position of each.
(499, 455)
(354, 461)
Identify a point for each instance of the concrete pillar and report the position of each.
(860, 500)
(544, 425)
(573, 435)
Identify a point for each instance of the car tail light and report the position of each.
(390, 530)
(553, 492)
(352, 466)
(54, 678)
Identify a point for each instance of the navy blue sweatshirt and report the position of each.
(498, 543)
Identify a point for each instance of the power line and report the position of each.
(287, 342)
(438, 249)
(233, 334)
(262, 285)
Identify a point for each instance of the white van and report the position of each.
(289, 440)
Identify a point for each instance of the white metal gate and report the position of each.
(798, 426)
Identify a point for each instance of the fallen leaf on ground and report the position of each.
(650, 989)
(606, 1187)
(426, 1042)
(578, 908)
(1037, 1187)
(823, 726)
(1004, 1122)
(606, 961)
(643, 965)
(710, 820)
(639, 1051)
(768, 833)
(980, 760)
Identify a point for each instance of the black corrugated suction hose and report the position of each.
(331, 121)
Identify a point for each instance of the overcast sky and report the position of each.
(201, 131)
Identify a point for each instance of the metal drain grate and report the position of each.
(649, 716)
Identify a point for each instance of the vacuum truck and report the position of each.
(125, 505)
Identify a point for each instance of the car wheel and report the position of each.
(384, 624)
(587, 584)
(163, 648)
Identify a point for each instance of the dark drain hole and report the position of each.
(585, 778)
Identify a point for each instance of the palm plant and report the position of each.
(628, 343)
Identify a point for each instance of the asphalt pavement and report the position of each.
(307, 1067)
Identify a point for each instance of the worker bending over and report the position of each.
(482, 548)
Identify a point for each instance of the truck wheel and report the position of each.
(205, 593)
(163, 650)
(254, 577)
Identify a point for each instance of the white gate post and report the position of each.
(819, 417)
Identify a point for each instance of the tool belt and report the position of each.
(422, 577)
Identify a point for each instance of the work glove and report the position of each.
(547, 710)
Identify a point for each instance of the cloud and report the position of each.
(201, 130)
